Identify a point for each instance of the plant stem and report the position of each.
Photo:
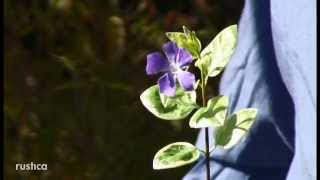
(207, 153)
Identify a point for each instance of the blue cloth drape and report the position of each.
(273, 69)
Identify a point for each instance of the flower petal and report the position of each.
(167, 85)
(171, 50)
(186, 80)
(156, 63)
(184, 58)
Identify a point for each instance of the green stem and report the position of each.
(207, 153)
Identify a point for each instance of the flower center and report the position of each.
(174, 68)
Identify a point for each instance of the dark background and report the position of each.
(74, 71)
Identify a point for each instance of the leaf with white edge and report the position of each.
(182, 97)
(187, 40)
(175, 155)
(214, 114)
(235, 128)
(168, 108)
(218, 52)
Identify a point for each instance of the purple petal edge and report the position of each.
(156, 63)
(186, 80)
(171, 50)
(184, 58)
(167, 85)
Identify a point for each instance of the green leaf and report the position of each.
(182, 97)
(218, 53)
(187, 40)
(67, 63)
(175, 155)
(169, 108)
(212, 115)
(235, 128)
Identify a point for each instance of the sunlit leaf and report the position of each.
(182, 97)
(218, 53)
(187, 40)
(175, 155)
(213, 114)
(66, 62)
(169, 108)
(235, 128)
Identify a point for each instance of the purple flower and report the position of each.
(173, 66)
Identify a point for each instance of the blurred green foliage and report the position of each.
(74, 71)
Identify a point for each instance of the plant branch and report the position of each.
(207, 152)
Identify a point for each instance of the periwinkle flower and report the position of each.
(174, 67)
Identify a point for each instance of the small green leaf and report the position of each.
(212, 115)
(175, 155)
(235, 128)
(70, 65)
(187, 40)
(224, 133)
(169, 108)
(218, 53)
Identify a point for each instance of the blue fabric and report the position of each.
(273, 69)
